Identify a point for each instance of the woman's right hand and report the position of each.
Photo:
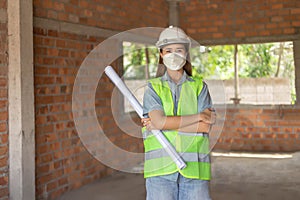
(146, 122)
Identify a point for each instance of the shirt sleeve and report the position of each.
(151, 100)
(204, 99)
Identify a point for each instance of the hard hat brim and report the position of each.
(166, 42)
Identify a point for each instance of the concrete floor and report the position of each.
(234, 178)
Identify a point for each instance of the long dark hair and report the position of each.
(161, 68)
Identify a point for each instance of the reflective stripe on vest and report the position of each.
(186, 156)
(149, 133)
(193, 147)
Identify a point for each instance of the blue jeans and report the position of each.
(178, 188)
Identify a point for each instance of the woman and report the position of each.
(180, 105)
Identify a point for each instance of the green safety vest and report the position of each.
(192, 147)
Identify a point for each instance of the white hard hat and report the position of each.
(173, 35)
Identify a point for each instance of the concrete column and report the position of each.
(21, 101)
(173, 13)
(297, 69)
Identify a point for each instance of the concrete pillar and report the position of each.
(297, 69)
(21, 101)
(174, 12)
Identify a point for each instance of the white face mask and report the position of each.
(174, 61)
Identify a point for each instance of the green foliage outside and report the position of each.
(136, 63)
(217, 62)
(254, 61)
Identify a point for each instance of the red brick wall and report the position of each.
(255, 128)
(62, 162)
(220, 19)
(113, 15)
(3, 101)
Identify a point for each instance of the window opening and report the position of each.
(266, 70)
(140, 64)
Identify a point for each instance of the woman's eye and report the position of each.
(179, 51)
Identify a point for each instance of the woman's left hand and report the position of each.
(208, 116)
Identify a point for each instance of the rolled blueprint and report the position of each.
(110, 72)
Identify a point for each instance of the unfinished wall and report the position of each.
(62, 40)
(3, 101)
(61, 160)
(253, 91)
(111, 15)
(261, 128)
(237, 21)
(214, 22)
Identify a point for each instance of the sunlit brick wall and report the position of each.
(261, 129)
(107, 14)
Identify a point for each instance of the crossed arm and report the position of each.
(200, 122)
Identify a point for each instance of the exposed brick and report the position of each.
(248, 12)
(3, 93)
(295, 11)
(3, 127)
(62, 161)
(289, 30)
(51, 14)
(4, 138)
(259, 135)
(3, 162)
(3, 151)
(3, 82)
(289, 123)
(63, 16)
(44, 169)
(47, 4)
(270, 135)
(283, 129)
(4, 192)
(294, 135)
(3, 115)
(41, 149)
(296, 23)
(58, 6)
(277, 6)
(3, 104)
(54, 81)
